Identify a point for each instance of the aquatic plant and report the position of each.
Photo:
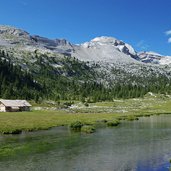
(102, 121)
(88, 129)
(131, 118)
(76, 125)
(15, 131)
(113, 123)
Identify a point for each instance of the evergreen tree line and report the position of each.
(76, 84)
(16, 83)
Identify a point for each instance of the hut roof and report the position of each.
(15, 103)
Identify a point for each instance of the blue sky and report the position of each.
(141, 23)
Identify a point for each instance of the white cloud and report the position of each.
(169, 40)
(142, 45)
(168, 32)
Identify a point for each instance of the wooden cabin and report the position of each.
(14, 105)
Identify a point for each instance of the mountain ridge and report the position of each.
(103, 68)
(111, 48)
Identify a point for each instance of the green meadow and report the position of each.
(129, 109)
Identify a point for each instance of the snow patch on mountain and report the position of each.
(154, 58)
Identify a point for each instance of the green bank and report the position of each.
(129, 109)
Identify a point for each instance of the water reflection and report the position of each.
(143, 145)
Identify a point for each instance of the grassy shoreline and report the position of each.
(108, 111)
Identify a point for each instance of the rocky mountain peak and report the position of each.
(8, 30)
(104, 48)
(50, 42)
(110, 43)
(104, 39)
(150, 57)
(154, 58)
(62, 42)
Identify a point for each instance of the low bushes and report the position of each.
(113, 123)
(131, 118)
(88, 129)
(16, 131)
(102, 121)
(79, 126)
(76, 125)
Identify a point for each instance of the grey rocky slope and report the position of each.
(110, 59)
(106, 49)
(154, 58)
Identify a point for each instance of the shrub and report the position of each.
(88, 129)
(16, 131)
(86, 104)
(76, 125)
(121, 118)
(132, 118)
(67, 104)
(102, 121)
(113, 123)
(147, 115)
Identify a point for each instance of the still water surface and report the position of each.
(143, 145)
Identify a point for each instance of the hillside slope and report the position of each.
(104, 68)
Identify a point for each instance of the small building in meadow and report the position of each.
(14, 105)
